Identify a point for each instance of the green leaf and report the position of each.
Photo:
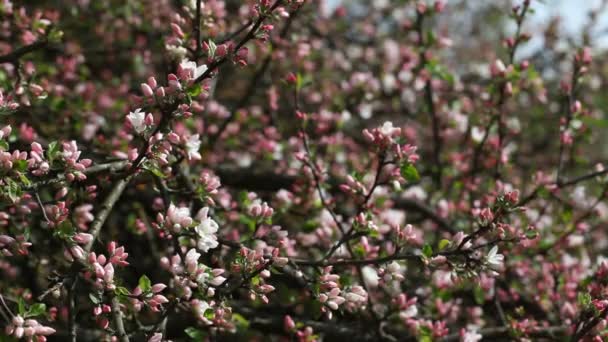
(64, 230)
(21, 307)
(195, 334)
(195, 90)
(409, 172)
(52, 151)
(443, 244)
(122, 291)
(36, 310)
(531, 234)
(3, 145)
(427, 251)
(584, 299)
(155, 171)
(24, 179)
(94, 298)
(145, 284)
(13, 190)
(479, 295)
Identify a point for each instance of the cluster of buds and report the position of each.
(512, 197)
(101, 313)
(392, 272)
(57, 213)
(7, 102)
(152, 298)
(407, 307)
(8, 159)
(261, 290)
(209, 313)
(190, 274)
(485, 215)
(290, 327)
(383, 135)
(177, 218)
(356, 297)
(260, 210)
(364, 222)
(9, 245)
(82, 238)
(76, 167)
(329, 288)
(104, 274)
(83, 215)
(407, 152)
(28, 328)
(209, 185)
(383, 138)
(353, 186)
(37, 164)
(406, 235)
(192, 144)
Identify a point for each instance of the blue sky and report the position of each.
(573, 14)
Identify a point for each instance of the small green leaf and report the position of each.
(584, 299)
(427, 251)
(195, 90)
(94, 298)
(21, 306)
(122, 291)
(443, 244)
(36, 310)
(145, 284)
(195, 334)
(155, 171)
(409, 172)
(52, 151)
(479, 295)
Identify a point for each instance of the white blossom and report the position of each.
(493, 259)
(137, 119)
(388, 130)
(471, 336)
(193, 145)
(370, 276)
(206, 230)
(195, 71)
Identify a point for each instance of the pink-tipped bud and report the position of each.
(152, 82)
(288, 324)
(177, 30)
(291, 78)
(146, 90)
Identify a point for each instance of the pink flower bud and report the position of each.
(177, 30)
(77, 252)
(288, 324)
(83, 238)
(291, 78)
(152, 82)
(156, 288)
(146, 90)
